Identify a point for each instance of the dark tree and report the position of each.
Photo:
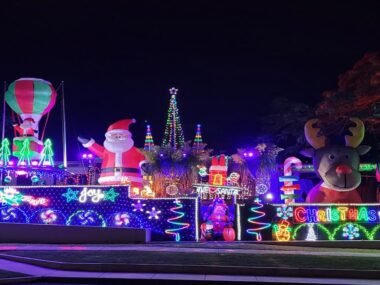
(284, 125)
(356, 96)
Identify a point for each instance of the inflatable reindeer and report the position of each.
(336, 165)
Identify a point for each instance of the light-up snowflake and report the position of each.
(350, 231)
(138, 206)
(284, 212)
(153, 213)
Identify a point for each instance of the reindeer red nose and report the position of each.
(343, 169)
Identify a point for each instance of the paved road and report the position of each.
(163, 248)
(46, 272)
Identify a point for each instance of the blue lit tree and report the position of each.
(175, 221)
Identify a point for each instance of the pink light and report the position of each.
(21, 172)
(34, 163)
(11, 162)
(250, 154)
(245, 154)
(23, 163)
(84, 155)
(46, 163)
(90, 155)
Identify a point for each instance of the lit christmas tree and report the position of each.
(173, 135)
(311, 236)
(258, 226)
(149, 143)
(198, 141)
(25, 153)
(5, 151)
(174, 221)
(47, 154)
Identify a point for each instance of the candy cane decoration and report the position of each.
(288, 179)
(122, 219)
(86, 218)
(48, 216)
(8, 214)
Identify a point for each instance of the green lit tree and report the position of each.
(173, 135)
(47, 154)
(5, 151)
(25, 153)
(149, 143)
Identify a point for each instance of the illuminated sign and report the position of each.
(206, 191)
(93, 195)
(336, 214)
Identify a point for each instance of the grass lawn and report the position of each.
(223, 259)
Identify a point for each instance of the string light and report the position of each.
(198, 141)
(173, 134)
(174, 221)
(149, 143)
(259, 226)
(47, 154)
(5, 152)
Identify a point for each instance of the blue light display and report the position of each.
(96, 205)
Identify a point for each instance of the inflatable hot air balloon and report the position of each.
(30, 98)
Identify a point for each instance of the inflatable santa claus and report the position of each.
(121, 160)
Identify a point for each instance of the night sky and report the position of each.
(228, 59)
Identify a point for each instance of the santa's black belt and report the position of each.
(121, 169)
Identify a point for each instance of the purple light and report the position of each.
(84, 155)
(245, 154)
(23, 163)
(161, 154)
(184, 155)
(11, 162)
(90, 155)
(269, 196)
(1, 162)
(250, 154)
(34, 163)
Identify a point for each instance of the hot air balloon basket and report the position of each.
(27, 148)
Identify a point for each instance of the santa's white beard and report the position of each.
(118, 145)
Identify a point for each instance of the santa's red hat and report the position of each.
(121, 125)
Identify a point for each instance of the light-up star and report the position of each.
(153, 213)
(110, 195)
(138, 206)
(70, 195)
(173, 91)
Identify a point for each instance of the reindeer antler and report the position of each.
(357, 133)
(311, 134)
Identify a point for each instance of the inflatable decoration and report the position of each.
(121, 160)
(30, 98)
(218, 171)
(336, 165)
(217, 219)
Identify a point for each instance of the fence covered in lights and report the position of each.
(180, 219)
(168, 219)
(312, 222)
